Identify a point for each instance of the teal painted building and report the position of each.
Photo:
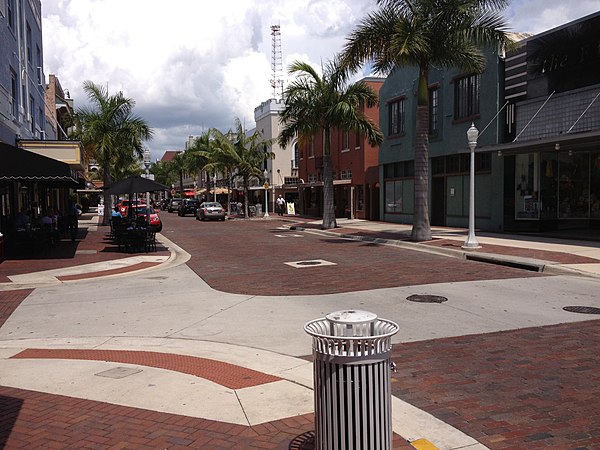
(538, 154)
(457, 99)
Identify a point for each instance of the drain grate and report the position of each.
(582, 309)
(422, 298)
(305, 441)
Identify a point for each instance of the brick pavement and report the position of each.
(91, 247)
(251, 260)
(526, 389)
(225, 374)
(34, 420)
(552, 256)
(9, 301)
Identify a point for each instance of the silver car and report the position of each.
(210, 210)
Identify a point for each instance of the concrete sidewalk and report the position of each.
(266, 393)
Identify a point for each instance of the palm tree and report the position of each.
(315, 104)
(198, 155)
(110, 132)
(241, 153)
(178, 166)
(426, 34)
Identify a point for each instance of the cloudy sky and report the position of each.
(191, 65)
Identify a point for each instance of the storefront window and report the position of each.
(399, 196)
(548, 185)
(526, 190)
(573, 185)
(360, 198)
(595, 185)
(313, 199)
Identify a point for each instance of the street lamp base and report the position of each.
(471, 244)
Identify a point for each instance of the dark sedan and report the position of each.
(210, 210)
(188, 206)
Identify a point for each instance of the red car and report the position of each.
(155, 222)
(124, 205)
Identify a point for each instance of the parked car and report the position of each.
(188, 206)
(155, 222)
(210, 210)
(174, 204)
(124, 205)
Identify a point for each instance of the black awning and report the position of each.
(17, 164)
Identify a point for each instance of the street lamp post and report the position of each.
(472, 135)
(266, 174)
(215, 187)
(147, 166)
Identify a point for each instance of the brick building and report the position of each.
(354, 164)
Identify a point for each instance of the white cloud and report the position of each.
(195, 65)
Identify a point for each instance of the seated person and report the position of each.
(49, 219)
(116, 213)
(49, 225)
(22, 220)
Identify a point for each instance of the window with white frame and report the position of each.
(346, 174)
(295, 160)
(434, 104)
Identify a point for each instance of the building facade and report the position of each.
(282, 171)
(35, 174)
(22, 82)
(59, 110)
(457, 99)
(551, 148)
(354, 164)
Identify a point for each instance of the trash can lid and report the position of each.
(353, 316)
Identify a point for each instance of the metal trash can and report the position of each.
(352, 380)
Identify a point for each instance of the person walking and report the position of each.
(280, 205)
(72, 220)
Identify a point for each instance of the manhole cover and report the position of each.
(422, 298)
(306, 441)
(582, 309)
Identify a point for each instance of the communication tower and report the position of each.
(276, 62)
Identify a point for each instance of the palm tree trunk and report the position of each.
(328, 195)
(246, 216)
(421, 230)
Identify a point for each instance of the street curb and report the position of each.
(530, 264)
